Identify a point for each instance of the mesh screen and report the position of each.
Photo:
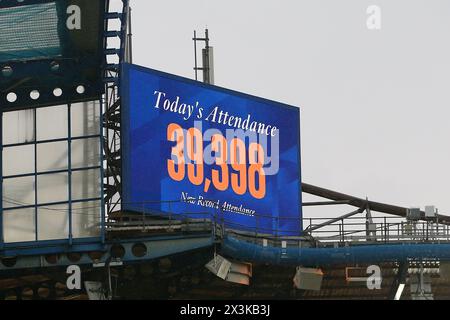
(29, 32)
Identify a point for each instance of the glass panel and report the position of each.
(85, 153)
(52, 187)
(51, 123)
(52, 156)
(86, 217)
(18, 126)
(86, 184)
(18, 192)
(19, 225)
(85, 118)
(18, 160)
(53, 222)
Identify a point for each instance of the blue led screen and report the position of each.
(198, 150)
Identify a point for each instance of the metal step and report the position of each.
(111, 80)
(113, 15)
(112, 67)
(112, 51)
(112, 34)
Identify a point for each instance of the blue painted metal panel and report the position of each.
(157, 247)
(51, 247)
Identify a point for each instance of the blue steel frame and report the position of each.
(69, 244)
(60, 245)
(113, 76)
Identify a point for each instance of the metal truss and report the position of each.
(114, 57)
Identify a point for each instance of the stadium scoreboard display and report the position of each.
(194, 149)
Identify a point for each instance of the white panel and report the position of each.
(53, 222)
(86, 184)
(18, 160)
(19, 225)
(18, 126)
(86, 217)
(52, 187)
(52, 156)
(18, 192)
(51, 123)
(85, 153)
(85, 118)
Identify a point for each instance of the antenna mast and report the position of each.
(207, 59)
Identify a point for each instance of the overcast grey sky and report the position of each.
(374, 103)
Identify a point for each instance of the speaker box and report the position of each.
(308, 278)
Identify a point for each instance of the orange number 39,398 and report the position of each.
(243, 178)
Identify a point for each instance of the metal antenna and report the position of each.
(195, 54)
(207, 59)
(129, 42)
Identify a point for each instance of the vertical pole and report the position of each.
(102, 172)
(437, 231)
(170, 214)
(69, 156)
(206, 66)
(223, 222)
(195, 54)
(104, 134)
(256, 229)
(110, 295)
(2, 239)
(130, 38)
(402, 226)
(35, 177)
(143, 216)
(123, 32)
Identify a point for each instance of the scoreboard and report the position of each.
(195, 149)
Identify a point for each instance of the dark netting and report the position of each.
(29, 32)
(41, 49)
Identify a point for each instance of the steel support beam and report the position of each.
(359, 202)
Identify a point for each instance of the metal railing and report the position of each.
(385, 229)
(159, 216)
(150, 220)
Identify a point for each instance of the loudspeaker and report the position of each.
(308, 278)
(236, 272)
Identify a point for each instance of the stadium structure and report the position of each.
(76, 194)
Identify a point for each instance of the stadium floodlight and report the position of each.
(399, 292)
